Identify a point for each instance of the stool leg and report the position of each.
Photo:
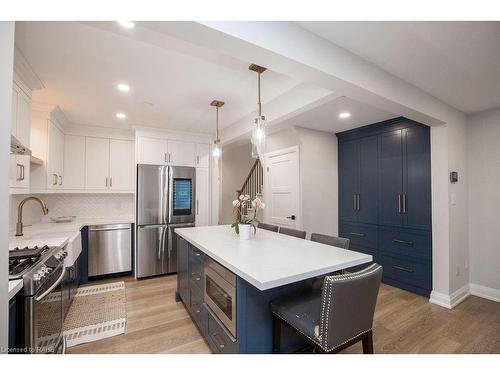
(368, 343)
(276, 334)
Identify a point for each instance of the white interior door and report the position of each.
(282, 190)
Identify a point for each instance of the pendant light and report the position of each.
(216, 150)
(259, 127)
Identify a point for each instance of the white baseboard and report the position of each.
(485, 292)
(449, 301)
(452, 300)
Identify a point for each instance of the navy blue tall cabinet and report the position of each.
(385, 199)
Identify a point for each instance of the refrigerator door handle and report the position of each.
(170, 194)
(160, 243)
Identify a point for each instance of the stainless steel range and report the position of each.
(42, 270)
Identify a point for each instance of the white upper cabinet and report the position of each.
(202, 155)
(109, 164)
(151, 151)
(74, 162)
(202, 196)
(163, 151)
(13, 124)
(21, 115)
(55, 161)
(19, 181)
(121, 160)
(181, 153)
(96, 163)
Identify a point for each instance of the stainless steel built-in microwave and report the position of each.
(220, 294)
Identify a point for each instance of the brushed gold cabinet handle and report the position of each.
(399, 203)
(111, 182)
(106, 182)
(60, 180)
(54, 179)
(21, 172)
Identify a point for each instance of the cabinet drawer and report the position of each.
(195, 254)
(198, 311)
(218, 339)
(410, 272)
(411, 244)
(196, 274)
(360, 235)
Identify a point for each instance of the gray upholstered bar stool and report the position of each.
(293, 232)
(270, 227)
(332, 241)
(335, 318)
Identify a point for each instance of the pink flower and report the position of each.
(241, 197)
(257, 202)
(236, 203)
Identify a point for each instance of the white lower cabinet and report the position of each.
(19, 181)
(74, 162)
(202, 196)
(96, 163)
(121, 160)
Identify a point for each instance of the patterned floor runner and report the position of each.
(97, 312)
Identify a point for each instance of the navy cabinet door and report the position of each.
(417, 178)
(391, 178)
(349, 179)
(183, 269)
(368, 180)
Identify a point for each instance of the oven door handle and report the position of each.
(44, 294)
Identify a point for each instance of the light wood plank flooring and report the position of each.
(404, 323)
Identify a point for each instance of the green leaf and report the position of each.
(236, 228)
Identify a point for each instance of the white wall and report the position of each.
(81, 205)
(236, 162)
(483, 156)
(6, 71)
(319, 176)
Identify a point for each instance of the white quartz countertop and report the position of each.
(269, 259)
(14, 287)
(58, 234)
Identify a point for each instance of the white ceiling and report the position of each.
(172, 84)
(326, 116)
(457, 62)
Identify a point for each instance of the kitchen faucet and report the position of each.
(19, 225)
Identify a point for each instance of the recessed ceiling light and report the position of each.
(120, 115)
(126, 24)
(123, 87)
(344, 115)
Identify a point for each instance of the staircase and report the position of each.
(252, 185)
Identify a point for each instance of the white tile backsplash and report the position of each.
(80, 205)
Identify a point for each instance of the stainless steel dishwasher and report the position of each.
(109, 249)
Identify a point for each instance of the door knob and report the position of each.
(291, 217)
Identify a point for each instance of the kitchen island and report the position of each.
(227, 284)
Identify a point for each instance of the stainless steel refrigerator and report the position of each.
(164, 201)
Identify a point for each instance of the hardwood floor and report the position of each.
(404, 323)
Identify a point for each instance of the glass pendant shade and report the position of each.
(216, 152)
(259, 138)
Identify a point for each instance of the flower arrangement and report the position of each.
(239, 204)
